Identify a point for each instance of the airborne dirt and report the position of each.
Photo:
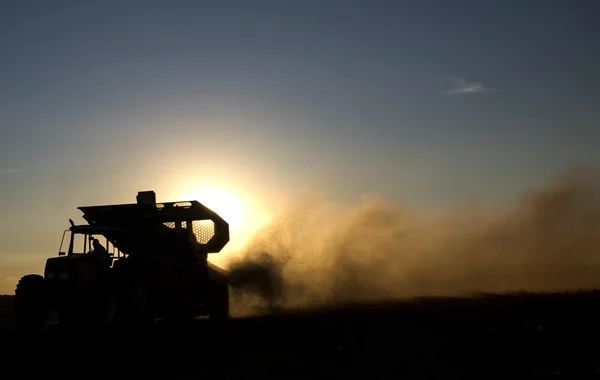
(548, 240)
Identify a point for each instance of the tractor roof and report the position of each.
(147, 222)
(96, 230)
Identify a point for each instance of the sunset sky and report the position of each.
(429, 102)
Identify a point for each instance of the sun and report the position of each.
(224, 203)
(244, 212)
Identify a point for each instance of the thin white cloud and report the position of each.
(461, 86)
(10, 171)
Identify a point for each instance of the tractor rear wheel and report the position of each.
(219, 302)
(75, 310)
(30, 311)
(132, 305)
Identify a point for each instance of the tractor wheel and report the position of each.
(74, 313)
(30, 311)
(138, 302)
(103, 313)
(111, 312)
(219, 302)
(131, 307)
(72, 319)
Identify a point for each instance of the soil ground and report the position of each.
(520, 336)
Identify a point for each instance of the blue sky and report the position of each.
(102, 99)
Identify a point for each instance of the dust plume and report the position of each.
(314, 255)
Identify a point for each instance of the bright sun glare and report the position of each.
(240, 212)
(227, 205)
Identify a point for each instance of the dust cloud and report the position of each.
(316, 255)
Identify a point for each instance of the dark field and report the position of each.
(531, 336)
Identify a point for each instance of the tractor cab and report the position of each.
(85, 258)
(94, 241)
(86, 253)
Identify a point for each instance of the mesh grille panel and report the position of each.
(204, 230)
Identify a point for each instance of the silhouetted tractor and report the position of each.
(130, 264)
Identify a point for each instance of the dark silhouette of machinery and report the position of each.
(153, 265)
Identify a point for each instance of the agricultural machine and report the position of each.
(130, 264)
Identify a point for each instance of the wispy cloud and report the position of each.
(10, 171)
(461, 86)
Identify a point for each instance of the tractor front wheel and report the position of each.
(30, 311)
